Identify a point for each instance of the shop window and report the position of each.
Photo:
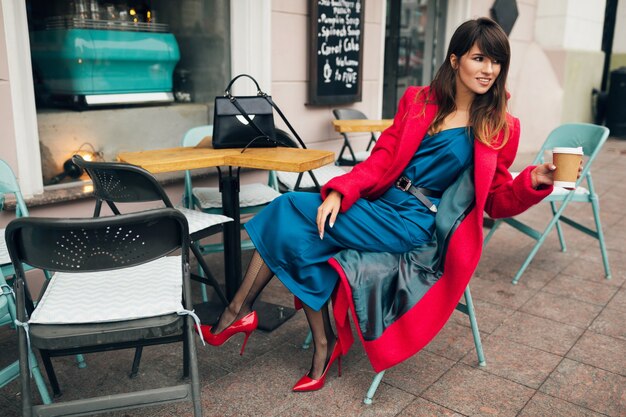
(122, 75)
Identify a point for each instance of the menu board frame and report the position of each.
(317, 78)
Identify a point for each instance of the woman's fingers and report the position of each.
(580, 168)
(542, 174)
(330, 207)
(322, 213)
(333, 216)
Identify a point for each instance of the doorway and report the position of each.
(414, 46)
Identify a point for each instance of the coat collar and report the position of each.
(485, 157)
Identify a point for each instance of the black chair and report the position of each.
(301, 181)
(353, 157)
(99, 299)
(124, 183)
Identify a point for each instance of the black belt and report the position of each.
(403, 183)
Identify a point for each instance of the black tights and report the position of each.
(256, 278)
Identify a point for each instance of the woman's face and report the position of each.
(475, 72)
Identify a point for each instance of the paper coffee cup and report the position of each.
(567, 162)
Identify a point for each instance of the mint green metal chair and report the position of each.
(467, 308)
(591, 138)
(12, 371)
(252, 197)
(311, 181)
(352, 158)
(8, 185)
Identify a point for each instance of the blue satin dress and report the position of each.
(285, 232)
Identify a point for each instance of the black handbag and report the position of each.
(246, 122)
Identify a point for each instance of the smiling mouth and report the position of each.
(484, 81)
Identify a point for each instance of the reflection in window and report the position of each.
(122, 56)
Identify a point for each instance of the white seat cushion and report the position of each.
(198, 220)
(249, 195)
(360, 156)
(147, 290)
(323, 175)
(4, 251)
(560, 191)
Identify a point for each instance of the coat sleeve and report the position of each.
(356, 183)
(507, 196)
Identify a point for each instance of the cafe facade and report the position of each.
(105, 77)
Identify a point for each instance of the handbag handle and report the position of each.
(233, 100)
(227, 91)
(269, 99)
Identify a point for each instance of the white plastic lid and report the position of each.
(577, 151)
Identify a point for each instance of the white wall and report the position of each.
(19, 144)
(618, 58)
(570, 24)
(290, 65)
(556, 61)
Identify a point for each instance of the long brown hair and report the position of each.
(488, 111)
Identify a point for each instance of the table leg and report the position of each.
(229, 186)
(270, 315)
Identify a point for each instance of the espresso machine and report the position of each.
(93, 53)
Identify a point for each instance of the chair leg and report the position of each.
(32, 361)
(467, 309)
(54, 383)
(559, 230)
(186, 357)
(527, 261)
(207, 274)
(135, 369)
(191, 358)
(27, 400)
(204, 292)
(493, 229)
(474, 324)
(373, 387)
(595, 206)
(307, 341)
(80, 361)
(39, 381)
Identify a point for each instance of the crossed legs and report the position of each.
(256, 278)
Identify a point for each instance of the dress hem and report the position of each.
(280, 273)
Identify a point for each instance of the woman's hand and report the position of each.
(544, 174)
(330, 207)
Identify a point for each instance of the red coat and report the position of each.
(496, 193)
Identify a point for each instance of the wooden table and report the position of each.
(345, 126)
(361, 125)
(186, 158)
(180, 159)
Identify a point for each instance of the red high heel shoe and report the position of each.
(306, 383)
(246, 324)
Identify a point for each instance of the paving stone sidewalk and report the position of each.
(555, 344)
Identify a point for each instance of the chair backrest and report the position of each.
(96, 244)
(9, 185)
(286, 139)
(589, 136)
(194, 135)
(116, 182)
(341, 114)
(348, 114)
(191, 138)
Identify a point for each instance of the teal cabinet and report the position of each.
(98, 62)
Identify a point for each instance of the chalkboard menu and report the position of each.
(336, 51)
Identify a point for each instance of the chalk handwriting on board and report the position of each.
(337, 41)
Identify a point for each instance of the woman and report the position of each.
(436, 134)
